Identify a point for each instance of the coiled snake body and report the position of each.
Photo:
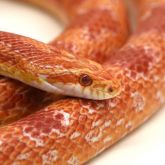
(73, 130)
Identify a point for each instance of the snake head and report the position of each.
(54, 70)
(86, 79)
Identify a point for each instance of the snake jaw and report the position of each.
(77, 90)
(89, 92)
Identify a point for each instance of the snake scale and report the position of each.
(70, 131)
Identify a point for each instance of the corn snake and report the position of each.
(135, 95)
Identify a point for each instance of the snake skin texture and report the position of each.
(71, 131)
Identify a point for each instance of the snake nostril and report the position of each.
(85, 80)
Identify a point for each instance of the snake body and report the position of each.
(73, 130)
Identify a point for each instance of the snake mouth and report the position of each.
(76, 90)
(86, 92)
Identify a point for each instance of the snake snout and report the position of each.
(111, 89)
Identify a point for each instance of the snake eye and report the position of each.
(85, 80)
(110, 89)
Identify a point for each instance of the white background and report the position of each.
(144, 146)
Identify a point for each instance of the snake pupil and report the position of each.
(110, 90)
(85, 80)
